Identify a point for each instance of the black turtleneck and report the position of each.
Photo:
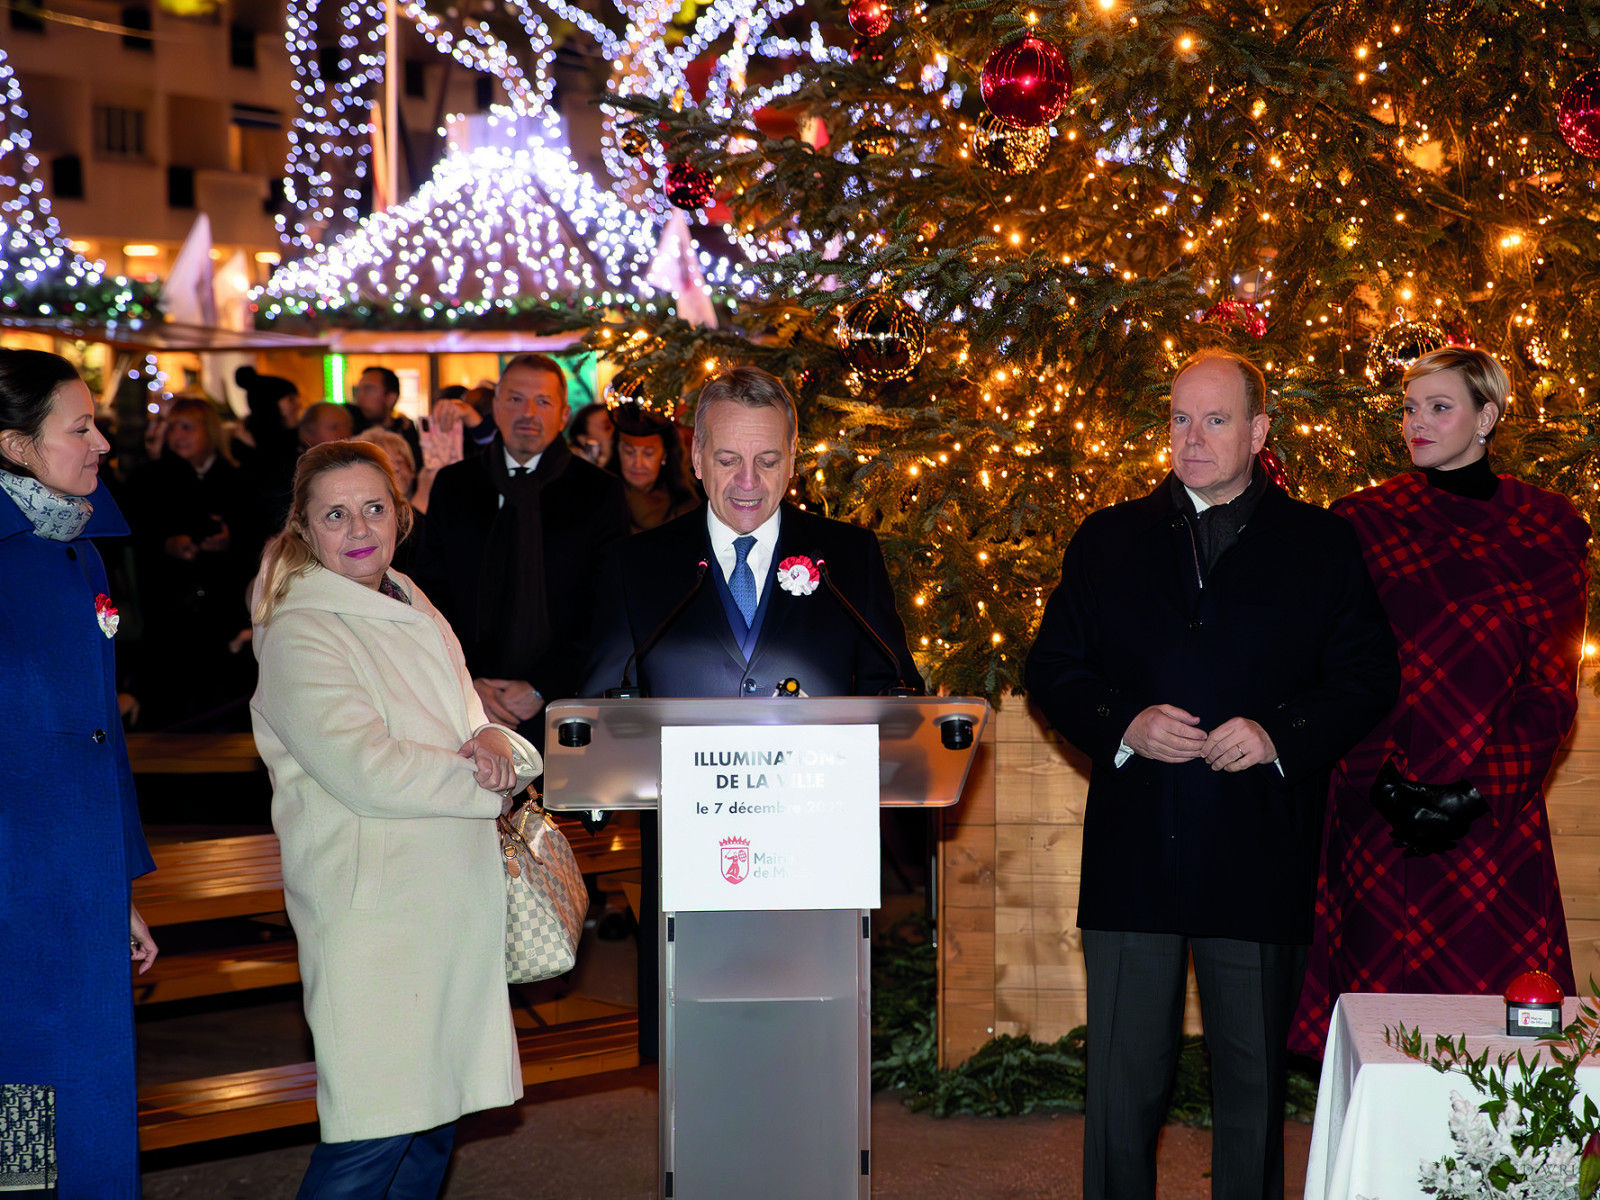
(1475, 481)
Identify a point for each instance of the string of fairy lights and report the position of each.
(33, 248)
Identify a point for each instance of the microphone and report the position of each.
(630, 690)
(902, 688)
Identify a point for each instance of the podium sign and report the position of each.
(774, 817)
(769, 861)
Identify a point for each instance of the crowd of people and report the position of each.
(1319, 737)
(213, 489)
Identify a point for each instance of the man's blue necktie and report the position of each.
(742, 583)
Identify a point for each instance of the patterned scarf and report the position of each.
(59, 518)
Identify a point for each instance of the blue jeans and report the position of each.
(408, 1167)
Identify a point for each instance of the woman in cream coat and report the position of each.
(387, 779)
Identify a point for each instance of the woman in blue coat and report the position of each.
(70, 842)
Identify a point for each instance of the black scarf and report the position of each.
(513, 618)
(1219, 527)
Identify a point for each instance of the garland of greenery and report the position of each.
(1009, 1075)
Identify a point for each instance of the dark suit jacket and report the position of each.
(583, 512)
(1287, 631)
(808, 638)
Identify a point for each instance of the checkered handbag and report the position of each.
(546, 899)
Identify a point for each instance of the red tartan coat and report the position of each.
(1487, 599)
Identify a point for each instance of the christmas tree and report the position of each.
(41, 275)
(1022, 217)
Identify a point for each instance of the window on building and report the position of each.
(180, 187)
(66, 177)
(485, 85)
(137, 17)
(242, 47)
(416, 78)
(119, 132)
(329, 59)
(26, 18)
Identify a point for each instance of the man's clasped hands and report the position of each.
(1168, 734)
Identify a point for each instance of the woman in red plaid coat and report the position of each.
(1437, 871)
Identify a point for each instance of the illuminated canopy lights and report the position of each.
(508, 221)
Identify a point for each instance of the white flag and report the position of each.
(188, 296)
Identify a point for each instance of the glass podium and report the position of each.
(765, 1014)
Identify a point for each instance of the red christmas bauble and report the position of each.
(688, 187)
(1533, 987)
(869, 18)
(870, 50)
(1457, 332)
(1236, 314)
(1578, 114)
(1026, 83)
(1273, 466)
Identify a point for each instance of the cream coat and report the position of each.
(390, 859)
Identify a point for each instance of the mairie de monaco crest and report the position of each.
(735, 859)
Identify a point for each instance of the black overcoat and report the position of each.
(582, 512)
(808, 638)
(1286, 630)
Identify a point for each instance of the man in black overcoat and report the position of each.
(759, 616)
(512, 547)
(1213, 648)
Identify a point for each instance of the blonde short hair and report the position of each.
(288, 556)
(1485, 378)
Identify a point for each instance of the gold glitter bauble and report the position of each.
(634, 142)
(1008, 150)
(1400, 345)
(881, 337)
(875, 139)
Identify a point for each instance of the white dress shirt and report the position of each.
(760, 556)
(514, 466)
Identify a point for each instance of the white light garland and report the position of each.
(32, 246)
(500, 225)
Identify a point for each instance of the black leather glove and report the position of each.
(1425, 818)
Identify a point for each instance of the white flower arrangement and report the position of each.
(1488, 1165)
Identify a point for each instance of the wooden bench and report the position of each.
(243, 877)
(200, 1110)
(193, 754)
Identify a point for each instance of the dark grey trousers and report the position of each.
(1248, 993)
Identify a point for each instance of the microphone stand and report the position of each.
(630, 690)
(902, 688)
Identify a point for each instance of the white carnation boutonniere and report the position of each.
(798, 575)
(106, 613)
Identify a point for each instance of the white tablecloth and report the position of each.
(1381, 1115)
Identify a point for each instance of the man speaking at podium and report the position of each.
(743, 596)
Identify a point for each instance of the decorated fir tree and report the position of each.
(1328, 188)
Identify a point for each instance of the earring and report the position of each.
(1483, 439)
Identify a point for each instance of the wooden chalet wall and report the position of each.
(1009, 954)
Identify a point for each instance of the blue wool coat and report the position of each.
(70, 844)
